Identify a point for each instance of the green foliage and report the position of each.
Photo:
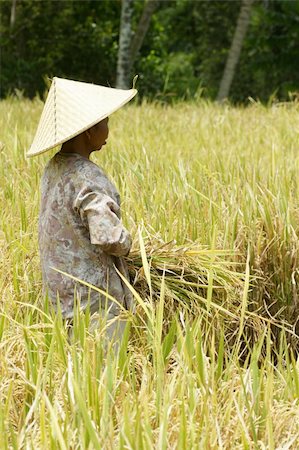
(184, 51)
(269, 62)
(62, 38)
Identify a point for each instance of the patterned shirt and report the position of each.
(81, 234)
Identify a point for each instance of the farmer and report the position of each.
(82, 240)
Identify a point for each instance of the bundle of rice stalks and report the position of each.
(192, 275)
(199, 282)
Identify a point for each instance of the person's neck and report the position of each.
(76, 151)
(76, 146)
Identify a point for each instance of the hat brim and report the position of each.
(37, 146)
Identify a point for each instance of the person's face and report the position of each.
(98, 134)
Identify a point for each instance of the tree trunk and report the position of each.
(13, 13)
(149, 8)
(125, 34)
(235, 50)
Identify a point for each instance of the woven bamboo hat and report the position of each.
(71, 108)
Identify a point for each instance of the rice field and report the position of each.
(210, 359)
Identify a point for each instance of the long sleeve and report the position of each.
(101, 215)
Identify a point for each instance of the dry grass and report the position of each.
(207, 364)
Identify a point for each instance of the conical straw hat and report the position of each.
(71, 108)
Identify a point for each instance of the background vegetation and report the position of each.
(183, 53)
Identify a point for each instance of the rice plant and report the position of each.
(208, 360)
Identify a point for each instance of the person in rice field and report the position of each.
(80, 229)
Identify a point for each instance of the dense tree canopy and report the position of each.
(182, 55)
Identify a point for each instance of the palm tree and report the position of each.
(235, 50)
(125, 35)
(148, 10)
